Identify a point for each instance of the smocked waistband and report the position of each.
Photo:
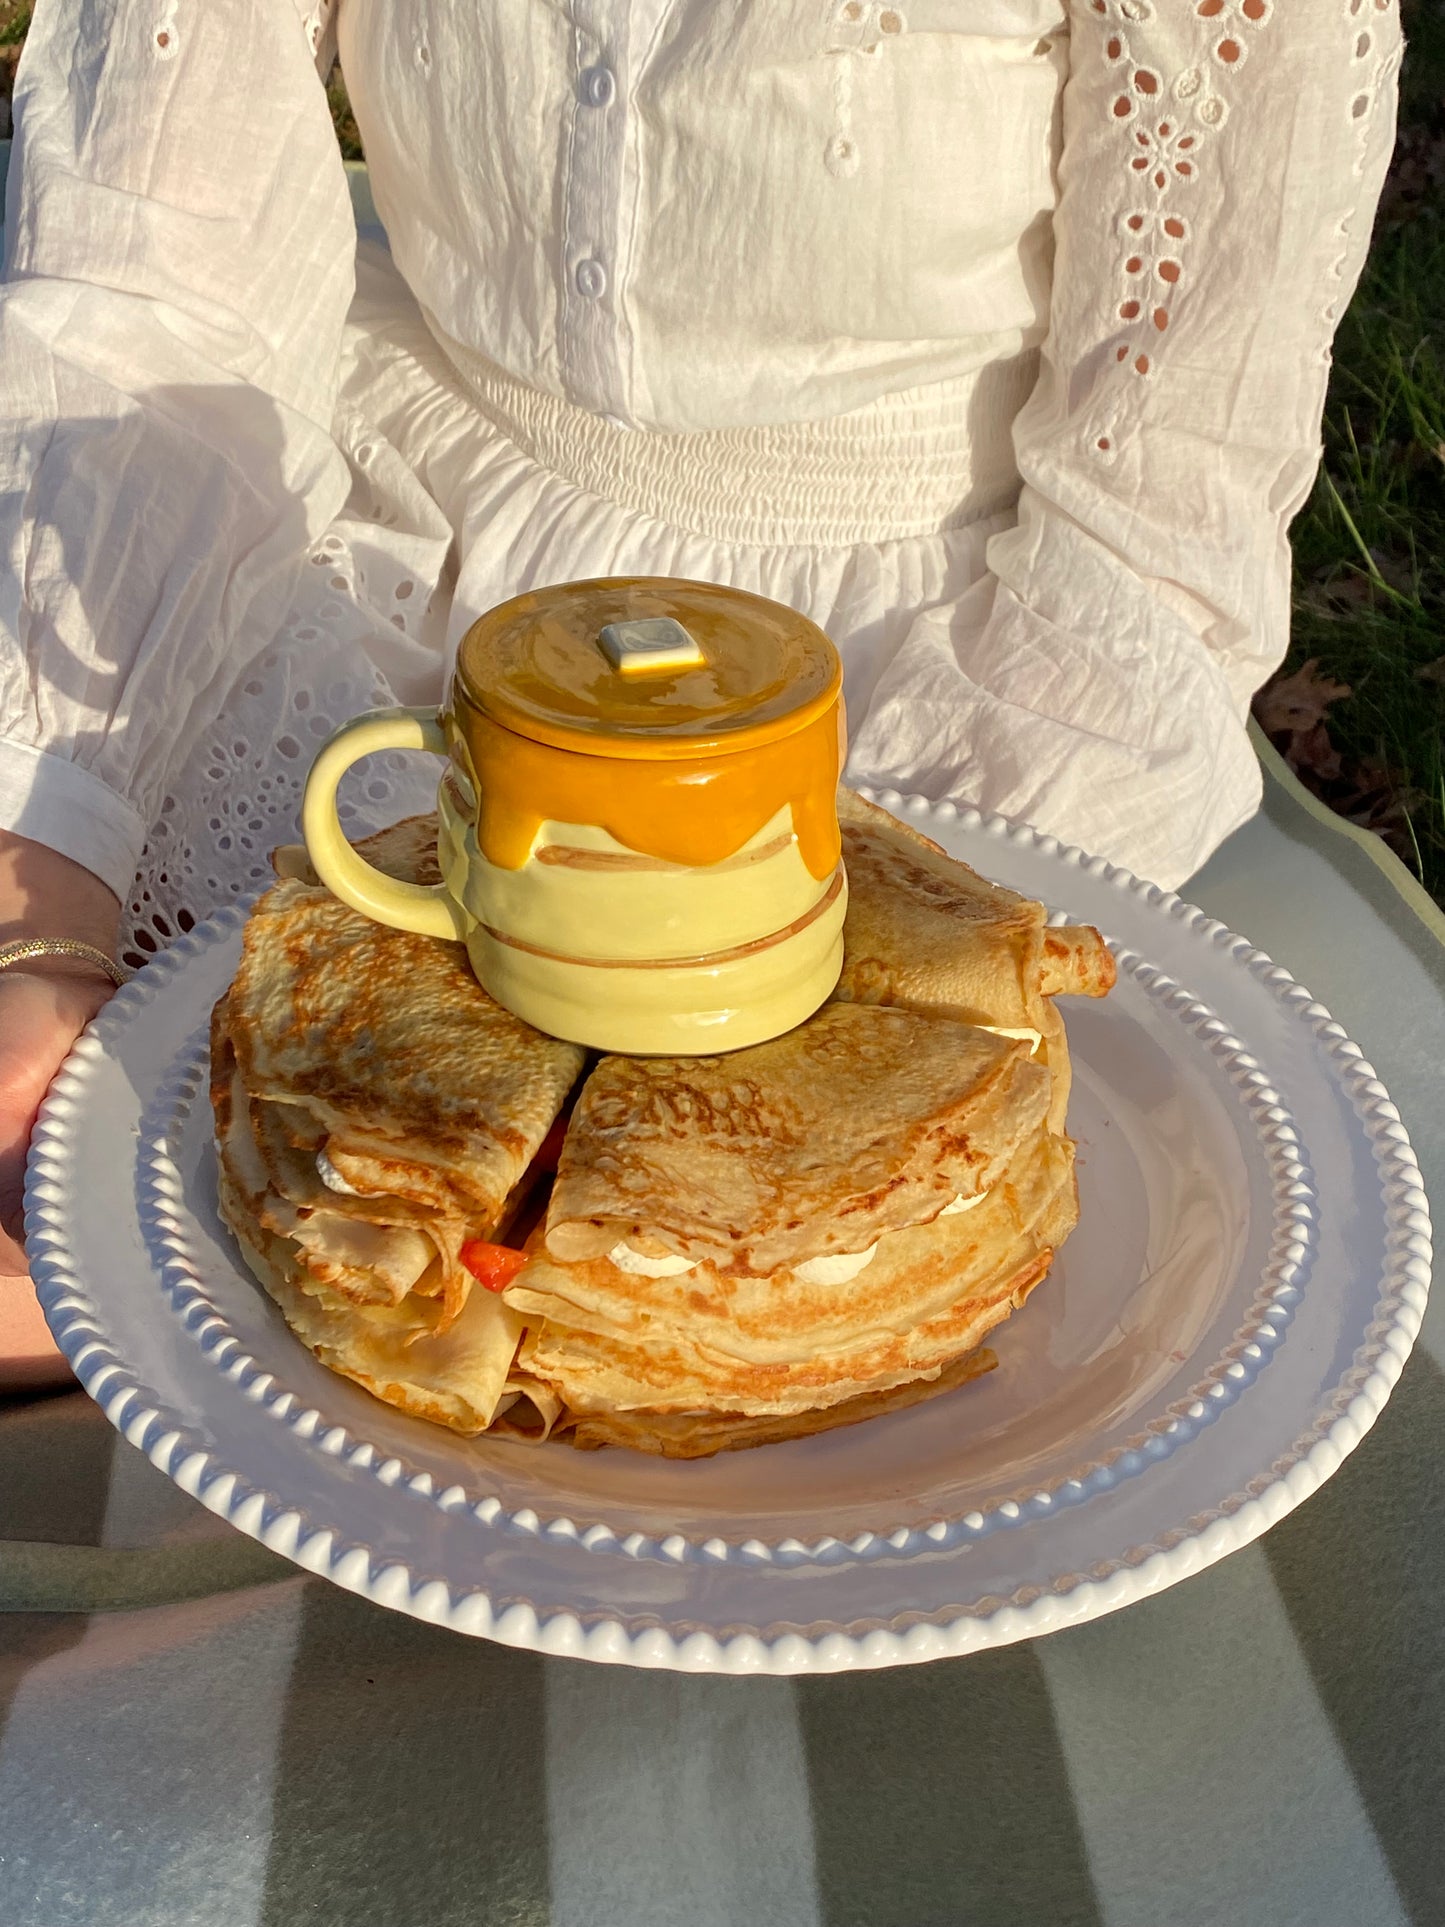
(910, 464)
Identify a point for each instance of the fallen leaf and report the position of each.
(1339, 590)
(1295, 705)
(1312, 753)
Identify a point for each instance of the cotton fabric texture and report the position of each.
(992, 334)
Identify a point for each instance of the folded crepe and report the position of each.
(698, 1435)
(376, 1112)
(925, 931)
(736, 1250)
(822, 1219)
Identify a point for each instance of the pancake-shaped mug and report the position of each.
(638, 827)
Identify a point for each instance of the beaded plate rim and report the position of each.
(1337, 1427)
(1233, 1372)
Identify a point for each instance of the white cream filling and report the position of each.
(1035, 1037)
(836, 1269)
(962, 1204)
(840, 1267)
(641, 1266)
(332, 1178)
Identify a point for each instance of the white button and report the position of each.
(591, 278)
(599, 89)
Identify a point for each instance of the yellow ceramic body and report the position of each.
(639, 859)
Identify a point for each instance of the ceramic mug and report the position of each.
(637, 825)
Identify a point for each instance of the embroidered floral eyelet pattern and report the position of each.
(1374, 62)
(1233, 20)
(165, 36)
(239, 793)
(1168, 122)
(856, 28)
(319, 24)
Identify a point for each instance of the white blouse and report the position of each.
(992, 333)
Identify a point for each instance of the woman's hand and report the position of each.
(40, 1018)
(44, 1006)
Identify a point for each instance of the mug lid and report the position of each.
(648, 667)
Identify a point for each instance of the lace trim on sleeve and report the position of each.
(1375, 66)
(166, 35)
(1167, 123)
(318, 19)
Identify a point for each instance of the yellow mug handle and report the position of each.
(427, 908)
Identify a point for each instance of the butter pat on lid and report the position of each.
(651, 646)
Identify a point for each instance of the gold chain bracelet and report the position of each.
(27, 949)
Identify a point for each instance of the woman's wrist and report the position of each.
(45, 894)
(62, 960)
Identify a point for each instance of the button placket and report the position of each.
(591, 279)
(591, 364)
(599, 86)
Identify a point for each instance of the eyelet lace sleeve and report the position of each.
(167, 382)
(319, 21)
(1220, 168)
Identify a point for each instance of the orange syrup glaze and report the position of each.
(687, 810)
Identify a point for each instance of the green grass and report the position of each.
(342, 118)
(1369, 597)
(1369, 600)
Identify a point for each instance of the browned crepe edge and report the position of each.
(669, 1437)
(1074, 959)
(1076, 962)
(467, 1177)
(853, 808)
(600, 1195)
(405, 850)
(272, 1264)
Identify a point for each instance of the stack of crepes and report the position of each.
(733, 1250)
(376, 1113)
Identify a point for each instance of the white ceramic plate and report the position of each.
(1225, 1325)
